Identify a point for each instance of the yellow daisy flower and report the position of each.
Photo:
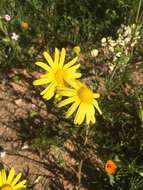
(10, 182)
(82, 99)
(57, 72)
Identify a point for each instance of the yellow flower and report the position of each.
(25, 25)
(76, 49)
(10, 182)
(57, 72)
(82, 99)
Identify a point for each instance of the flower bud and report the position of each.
(76, 49)
(24, 25)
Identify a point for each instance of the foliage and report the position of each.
(57, 23)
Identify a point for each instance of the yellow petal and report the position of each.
(95, 103)
(62, 58)
(66, 91)
(73, 83)
(73, 68)
(46, 89)
(50, 92)
(16, 179)
(70, 63)
(47, 75)
(48, 58)
(57, 56)
(20, 185)
(42, 81)
(1, 181)
(93, 119)
(49, 95)
(3, 173)
(72, 109)
(10, 176)
(43, 65)
(80, 115)
(66, 102)
(96, 95)
(75, 75)
(90, 114)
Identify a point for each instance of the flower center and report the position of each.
(85, 94)
(6, 187)
(59, 76)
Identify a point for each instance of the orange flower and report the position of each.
(24, 25)
(110, 167)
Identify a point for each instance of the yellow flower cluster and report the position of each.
(61, 79)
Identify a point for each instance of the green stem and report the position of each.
(79, 174)
(138, 11)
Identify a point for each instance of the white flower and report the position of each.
(137, 33)
(133, 44)
(127, 40)
(126, 52)
(111, 49)
(112, 42)
(2, 153)
(115, 58)
(118, 54)
(94, 52)
(14, 36)
(128, 31)
(103, 40)
(111, 67)
(7, 18)
(120, 41)
(133, 26)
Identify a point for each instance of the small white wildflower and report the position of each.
(94, 52)
(134, 43)
(126, 52)
(122, 26)
(138, 37)
(118, 54)
(133, 26)
(111, 49)
(112, 43)
(128, 31)
(111, 67)
(7, 18)
(2, 152)
(127, 40)
(14, 36)
(115, 58)
(121, 42)
(103, 40)
(137, 33)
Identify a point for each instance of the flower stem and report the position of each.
(79, 174)
(138, 11)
